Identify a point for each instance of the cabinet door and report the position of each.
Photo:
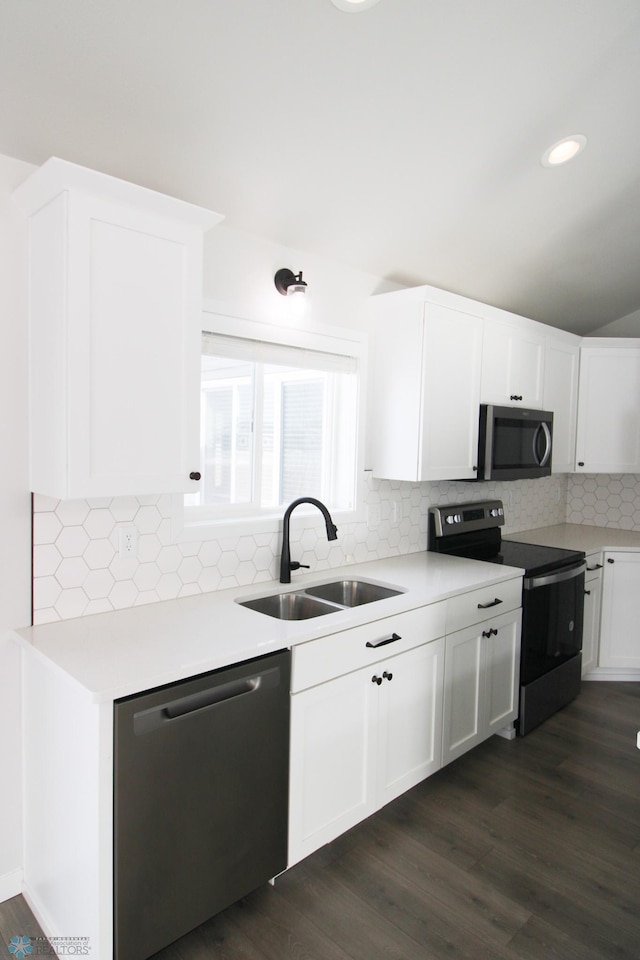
(591, 623)
(333, 734)
(134, 351)
(608, 433)
(425, 390)
(619, 636)
(512, 365)
(463, 692)
(561, 397)
(452, 357)
(409, 719)
(480, 682)
(502, 667)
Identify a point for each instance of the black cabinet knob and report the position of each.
(377, 680)
(387, 676)
(581, 463)
(610, 560)
(195, 475)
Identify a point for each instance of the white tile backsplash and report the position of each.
(604, 500)
(78, 570)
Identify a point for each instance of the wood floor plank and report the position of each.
(540, 940)
(583, 919)
(476, 906)
(434, 927)
(433, 823)
(357, 923)
(280, 933)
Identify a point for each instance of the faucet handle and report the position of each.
(294, 565)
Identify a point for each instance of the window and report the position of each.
(279, 420)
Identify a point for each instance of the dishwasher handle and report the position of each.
(156, 717)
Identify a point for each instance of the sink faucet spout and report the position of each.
(286, 564)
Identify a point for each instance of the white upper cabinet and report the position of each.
(512, 363)
(560, 395)
(115, 304)
(608, 433)
(425, 389)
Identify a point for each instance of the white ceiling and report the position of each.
(404, 140)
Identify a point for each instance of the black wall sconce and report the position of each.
(288, 283)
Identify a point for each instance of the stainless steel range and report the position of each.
(552, 602)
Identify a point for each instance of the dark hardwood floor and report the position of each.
(521, 849)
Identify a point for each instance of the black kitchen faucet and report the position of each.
(286, 564)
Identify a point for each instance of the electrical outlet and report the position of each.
(128, 543)
(396, 511)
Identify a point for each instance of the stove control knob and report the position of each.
(458, 518)
(449, 518)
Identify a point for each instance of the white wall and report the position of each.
(15, 513)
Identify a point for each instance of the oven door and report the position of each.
(552, 618)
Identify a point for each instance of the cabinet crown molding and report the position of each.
(57, 176)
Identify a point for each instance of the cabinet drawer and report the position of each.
(595, 564)
(478, 605)
(340, 653)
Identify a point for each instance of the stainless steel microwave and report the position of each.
(514, 443)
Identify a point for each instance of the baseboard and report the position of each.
(10, 885)
(602, 673)
(41, 915)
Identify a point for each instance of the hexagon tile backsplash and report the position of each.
(77, 569)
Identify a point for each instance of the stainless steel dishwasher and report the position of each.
(200, 799)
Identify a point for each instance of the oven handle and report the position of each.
(547, 579)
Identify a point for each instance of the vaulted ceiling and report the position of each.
(404, 140)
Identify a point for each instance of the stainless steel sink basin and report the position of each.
(289, 606)
(351, 593)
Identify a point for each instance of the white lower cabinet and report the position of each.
(361, 739)
(592, 606)
(619, 637)
(480, 682)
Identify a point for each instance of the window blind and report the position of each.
(265, 351)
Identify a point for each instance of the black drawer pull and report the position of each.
(587, 593)
(597, 566)
(383, 643)
(492, 603)
(195, 475)
(490, 632)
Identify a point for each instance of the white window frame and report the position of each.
(218, 318)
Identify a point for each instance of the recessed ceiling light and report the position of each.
(354, 6)
(563, 150)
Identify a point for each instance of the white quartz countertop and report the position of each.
(580, 536)
(123, 652)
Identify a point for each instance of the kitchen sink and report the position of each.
(289, 606)
(351, 593)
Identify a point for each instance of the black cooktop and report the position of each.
(534, 559)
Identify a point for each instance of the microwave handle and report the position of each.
(547, 452)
